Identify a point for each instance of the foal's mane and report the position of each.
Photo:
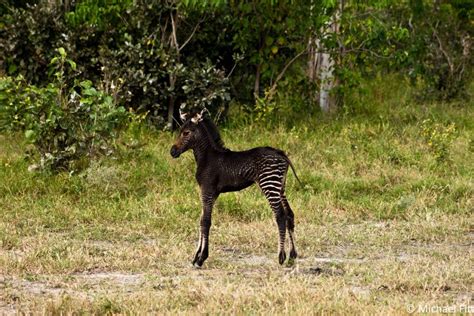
(213, 134)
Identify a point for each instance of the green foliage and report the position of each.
(161, 57)
(67, 125)
(269, 34)
(149, 67)
(155, 75)
(371, 40)
(99, 14)
(207, 86)
(143, 67)
(139, 56)
(264, 109)
(440, 48)
(146, 85)
(12, 108)
(28, 38)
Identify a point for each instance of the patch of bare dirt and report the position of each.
(117, 278)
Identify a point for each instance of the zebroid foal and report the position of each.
(222, 170)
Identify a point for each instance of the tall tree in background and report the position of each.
(327, 100)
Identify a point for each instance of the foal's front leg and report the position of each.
(207, 199)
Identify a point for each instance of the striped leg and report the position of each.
(290, 224)
(271, 184)
(281, 222)
(202, 251)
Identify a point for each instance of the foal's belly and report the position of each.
(232, 187)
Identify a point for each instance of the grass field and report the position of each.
(384, 222)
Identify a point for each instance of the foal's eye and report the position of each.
(186, 133)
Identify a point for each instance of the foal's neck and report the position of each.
(202, 152)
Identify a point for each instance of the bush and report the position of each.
(441, 49)
(154, 76)
(27, 39)
(67, 125)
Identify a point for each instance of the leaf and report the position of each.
(61, 52)
(86, 84)
(72, 64)
(12, 68)
(30, 135)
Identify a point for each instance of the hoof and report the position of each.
(199, 260)
(281, 257)
(293, 254)
(196, 265)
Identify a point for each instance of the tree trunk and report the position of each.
(171, 102)
(327, 101)
(312, 60)
(326, 75)
(175, 46)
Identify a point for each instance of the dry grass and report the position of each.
(381, 226)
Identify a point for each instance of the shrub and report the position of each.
(27, 39)
(68, 123)
(441, 49)
(205, 85)
(155, 76)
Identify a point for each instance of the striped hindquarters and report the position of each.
(271, 178)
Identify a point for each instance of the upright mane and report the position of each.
(213, 133)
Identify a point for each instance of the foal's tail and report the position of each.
(292, 167)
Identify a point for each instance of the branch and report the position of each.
(163, 30)
(173, 35)
(190, 36)
(272, 90)
(237, 59)
(368, 51)
(231, 71)
(448, 59)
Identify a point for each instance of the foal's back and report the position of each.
(249, 164)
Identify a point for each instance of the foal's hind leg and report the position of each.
(281, 223)
(274, 198)
(290, 224)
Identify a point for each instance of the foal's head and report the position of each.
(200, 131)
(189, 134)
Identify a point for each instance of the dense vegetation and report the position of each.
(156, 57)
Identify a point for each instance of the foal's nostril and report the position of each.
(174, 152)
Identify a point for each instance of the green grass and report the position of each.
(381, 222)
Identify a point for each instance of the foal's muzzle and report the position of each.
(175, 152)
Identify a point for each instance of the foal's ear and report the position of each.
(197, 118)
(183, 115)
